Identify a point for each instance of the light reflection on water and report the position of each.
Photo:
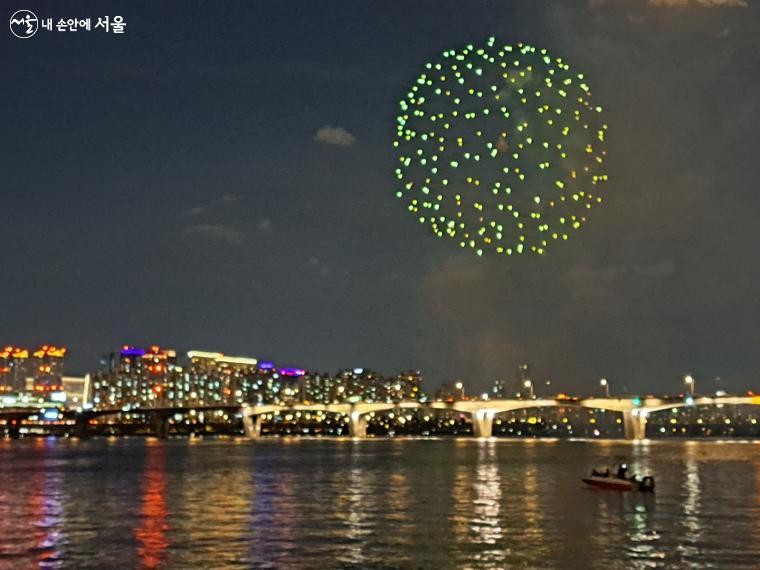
(342, 503)
(757, 501)
(151, 533)
(691, 504)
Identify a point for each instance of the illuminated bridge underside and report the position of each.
(356, 413)
(635, 411)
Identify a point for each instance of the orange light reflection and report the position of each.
(151, 534)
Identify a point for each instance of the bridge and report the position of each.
(635, 411)
(158, 417)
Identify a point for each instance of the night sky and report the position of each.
(220, 177)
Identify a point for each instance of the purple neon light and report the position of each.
(292, 371)
(132, 351)
(266, 365)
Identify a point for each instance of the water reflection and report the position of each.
(151, 535)
(644, 542)
(398, 498)
(460, 495)
(532, 512)
(692, 503)
(263, 492)
(644, 548)
(477, 519)
(757, 502)
(31, 509)
(284, 516)
(640, 455)
(471, 504)
(485, 522)
(46, 507)
(399, 505)
(356, 505)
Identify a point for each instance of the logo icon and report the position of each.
(24, 24)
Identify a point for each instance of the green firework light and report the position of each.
(500, 148)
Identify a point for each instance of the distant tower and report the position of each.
(47, 367)
(137, 377)
(14, 368)
(523, 375)
(500, 389)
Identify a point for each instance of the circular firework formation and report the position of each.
(500, 148)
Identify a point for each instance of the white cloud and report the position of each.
(218, 232)
(212, 205)
(334, 135)
(316, 264)
(197, 210)
(264, 225)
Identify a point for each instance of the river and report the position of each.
(375, 503)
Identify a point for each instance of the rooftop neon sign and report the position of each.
(132, 351)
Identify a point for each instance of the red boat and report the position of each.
(619, 482)
(611, 483)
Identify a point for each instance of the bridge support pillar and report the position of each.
(14, 429)
(160, 425)
(82, 426)
(635, 424)
(482, 423)
(252, 426)
(357, 425)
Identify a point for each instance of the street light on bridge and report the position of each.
(689, 381)
(606, 385)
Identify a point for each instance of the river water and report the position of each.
(378, 503)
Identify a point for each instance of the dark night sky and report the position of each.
(165, 186)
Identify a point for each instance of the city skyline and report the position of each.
(158, 389)
(211, 391)
(22, 368)
(232, 185)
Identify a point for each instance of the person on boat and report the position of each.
(622, 470)
(600, 472)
